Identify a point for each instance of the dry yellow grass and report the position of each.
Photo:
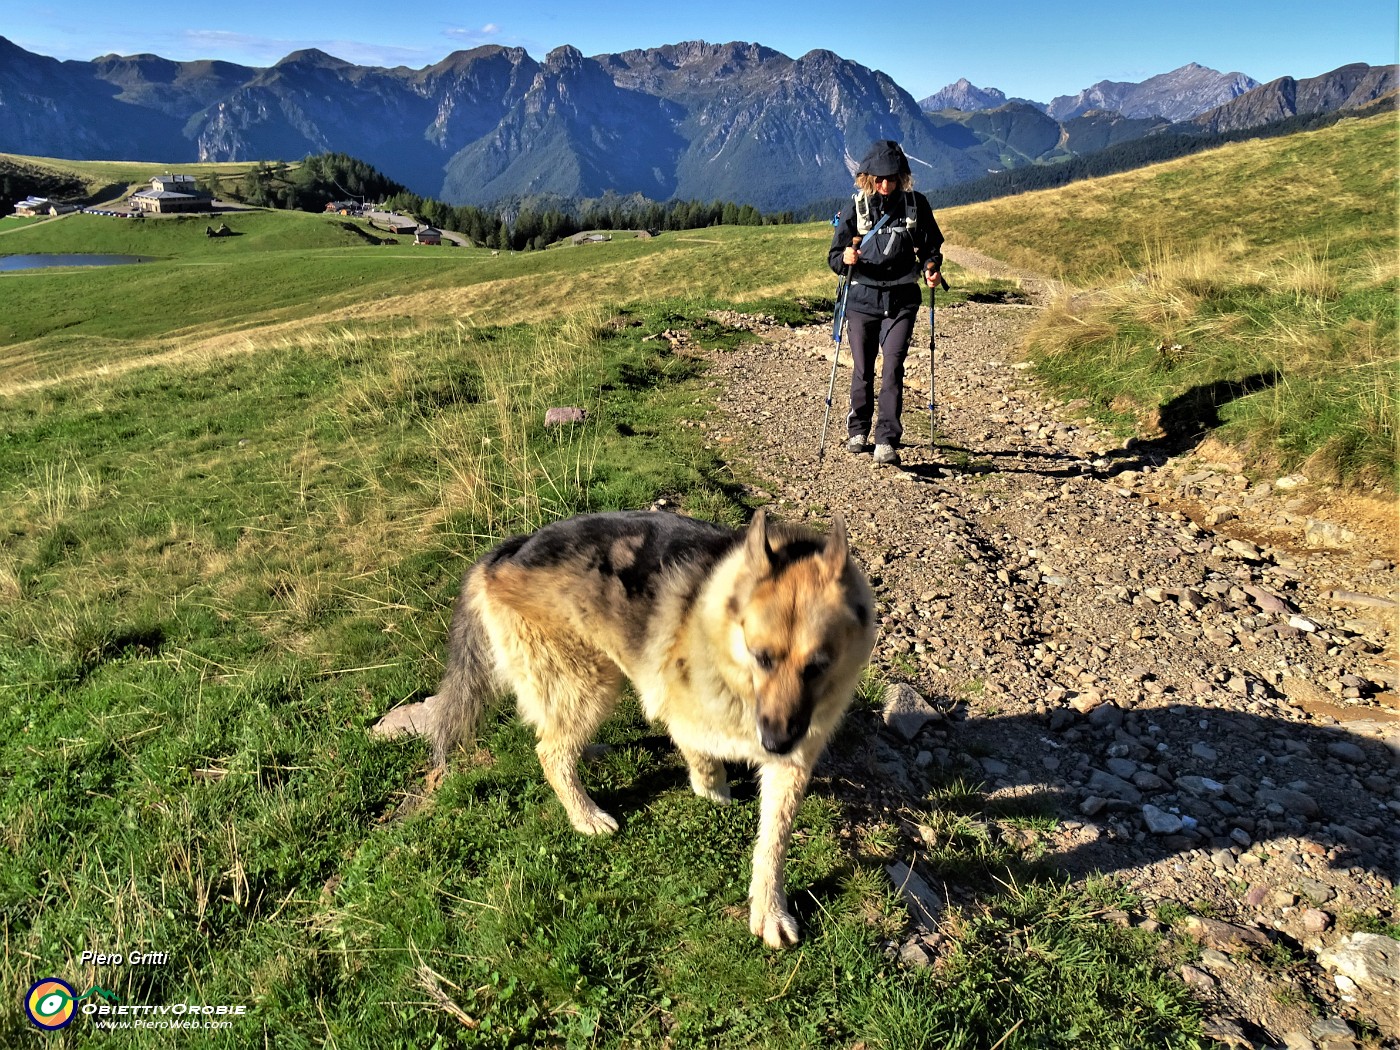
(1256, 199)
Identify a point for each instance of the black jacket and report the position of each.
(880, 283)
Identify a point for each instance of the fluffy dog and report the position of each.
(747, 645)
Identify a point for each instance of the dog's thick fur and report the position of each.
(747, 645)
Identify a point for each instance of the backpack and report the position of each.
(886, 247)
(864, 221)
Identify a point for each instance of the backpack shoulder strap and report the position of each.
(863, 221)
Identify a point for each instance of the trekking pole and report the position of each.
(932, 400)
(836, 327)
(840, 320)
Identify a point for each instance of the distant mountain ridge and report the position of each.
(1349, 87)
(695, 120)
(1178, 95)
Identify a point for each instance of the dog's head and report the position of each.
(804, 627)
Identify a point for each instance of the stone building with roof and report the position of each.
(171, 193)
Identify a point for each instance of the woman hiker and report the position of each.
(883, 292)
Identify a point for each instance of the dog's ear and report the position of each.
(837, 548)
(756, 547)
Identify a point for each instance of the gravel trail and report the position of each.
(1194, 674)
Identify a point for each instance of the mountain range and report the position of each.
(695, 120)
(1179, 95)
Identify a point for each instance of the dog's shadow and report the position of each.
(1237, 783)
(1273, 778)
(1244, 783)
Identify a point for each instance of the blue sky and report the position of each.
(1028, 49)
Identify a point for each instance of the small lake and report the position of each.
(37, 262)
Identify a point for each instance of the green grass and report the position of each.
(292, 273)
(1234, 293)
(217, 570)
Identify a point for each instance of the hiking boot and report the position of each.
(855, 443)
(887, 455)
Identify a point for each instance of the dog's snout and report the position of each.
(781, 735)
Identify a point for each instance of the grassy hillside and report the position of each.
(1258, 199)
(1252, 287)
(287, 272)
(102, 178)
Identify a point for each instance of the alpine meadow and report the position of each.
(241, 482)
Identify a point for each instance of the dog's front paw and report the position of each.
(594, 822)
(773, 924)
(714, 792)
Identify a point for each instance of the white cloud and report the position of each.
(473, 36)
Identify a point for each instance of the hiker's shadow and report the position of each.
(1186, 419)
(1219, 781)
(1181, 423)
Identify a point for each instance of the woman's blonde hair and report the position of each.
(866, 183)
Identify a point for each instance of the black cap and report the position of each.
(884, 158)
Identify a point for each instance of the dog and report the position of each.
(746, 644)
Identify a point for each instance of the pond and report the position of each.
(35, 262)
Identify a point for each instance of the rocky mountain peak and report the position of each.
(966, 96)
(1347, 87)
(312, 58)
(1178, 95)
(565, 56)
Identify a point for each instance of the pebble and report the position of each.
(1347, 752)
(1290, 802)
(1216, 960)
(924, 904)
(1122, 767)
(1316, 921)
(1159, 822)
(914, 955)
(1110, 786)
(1224, 936)
(1197, 979)
(1315, 891)
(1244, 549)
(1093, 806)
(906, 711)
(1201, 786)
(1329, 1029)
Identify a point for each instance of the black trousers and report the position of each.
(869, 334)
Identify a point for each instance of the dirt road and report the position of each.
(1192, 672)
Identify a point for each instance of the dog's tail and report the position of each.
(469, 681)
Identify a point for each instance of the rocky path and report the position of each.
(1193, 674)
